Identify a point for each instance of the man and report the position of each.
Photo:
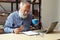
(19, 21)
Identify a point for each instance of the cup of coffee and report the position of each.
(34, 21)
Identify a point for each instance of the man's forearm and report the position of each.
(8, 30)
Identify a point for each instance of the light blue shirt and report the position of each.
(14, 21)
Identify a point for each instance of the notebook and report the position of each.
(30, 33)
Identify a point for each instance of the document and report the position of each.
(31, 33)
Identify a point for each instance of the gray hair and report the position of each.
(23, 3)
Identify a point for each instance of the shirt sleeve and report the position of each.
(8, 27)
(8, 30)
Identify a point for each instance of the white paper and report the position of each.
(30, 33)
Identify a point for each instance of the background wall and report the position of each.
(58, 14)
(7, 6)
(50, 10)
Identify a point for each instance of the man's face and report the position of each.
(24, 10)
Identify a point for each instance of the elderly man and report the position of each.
(19, 21)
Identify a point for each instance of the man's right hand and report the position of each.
(16, 30)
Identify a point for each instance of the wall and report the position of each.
(59, 14)
(49, 12)
(7, 6)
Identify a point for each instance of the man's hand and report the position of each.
(18, 30)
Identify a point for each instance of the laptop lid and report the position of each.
(51, 28)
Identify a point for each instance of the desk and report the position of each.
(11, 36)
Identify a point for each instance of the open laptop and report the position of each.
(51, 28)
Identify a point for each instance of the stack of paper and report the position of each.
(30, 33)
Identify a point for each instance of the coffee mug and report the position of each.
(34, 21)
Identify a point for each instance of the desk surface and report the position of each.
(11, 36)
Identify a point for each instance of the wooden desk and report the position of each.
(11, 36)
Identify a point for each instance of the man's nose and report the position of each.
(26, 12)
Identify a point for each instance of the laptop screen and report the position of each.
(51, 28)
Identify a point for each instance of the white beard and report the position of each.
(22, 16)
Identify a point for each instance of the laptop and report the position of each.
(50, 29)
